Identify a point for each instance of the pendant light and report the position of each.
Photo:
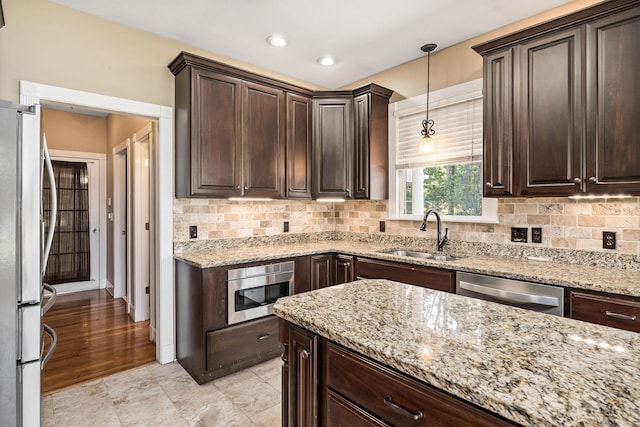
(427, 144)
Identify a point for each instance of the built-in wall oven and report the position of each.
(252, 291)
(533, 296)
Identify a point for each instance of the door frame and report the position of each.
(121, 266)
(101, 275)
(33, 93)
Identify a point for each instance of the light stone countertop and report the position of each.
(616, 281)
(532, 368)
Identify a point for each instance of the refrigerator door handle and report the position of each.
(54, 205)
(54, 341)
(52, 298)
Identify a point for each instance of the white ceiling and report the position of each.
(365, 36)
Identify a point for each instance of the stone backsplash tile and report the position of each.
(565, 223)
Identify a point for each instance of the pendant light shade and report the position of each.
(427, 144)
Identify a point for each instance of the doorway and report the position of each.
(134, 244)
(95, 164)
(36, 93)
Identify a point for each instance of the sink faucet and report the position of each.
(441, 241)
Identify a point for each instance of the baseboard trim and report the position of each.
(67, 288)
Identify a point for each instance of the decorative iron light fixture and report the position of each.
(427, 143)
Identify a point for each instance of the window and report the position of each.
(450, 178)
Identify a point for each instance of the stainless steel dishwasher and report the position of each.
(533, 296)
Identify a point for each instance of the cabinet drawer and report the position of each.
(342, 413)
(616, 312)
(427, 277)
(397, 398)
(243, 345)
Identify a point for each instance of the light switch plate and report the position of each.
(536, 235)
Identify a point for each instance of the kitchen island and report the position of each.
(491, 360)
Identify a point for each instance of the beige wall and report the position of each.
(46, 43)
(119, 128)
(456, 64)
(74, 132)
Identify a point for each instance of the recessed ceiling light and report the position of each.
(277, 40)
(326, 60)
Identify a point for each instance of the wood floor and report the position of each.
(96, 337)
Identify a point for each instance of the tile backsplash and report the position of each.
(565, 223)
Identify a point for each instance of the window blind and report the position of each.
(458, 137)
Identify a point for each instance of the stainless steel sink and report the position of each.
(417, 254)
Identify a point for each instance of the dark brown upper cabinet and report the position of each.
(613, 103)
(371, 143)
(351, 143)
(333, 147)
(498, 123)
(242, 134)
(549, 108)
(571, 91)
(230, 130)
(208, 122)
(299, 126)
(263, 141)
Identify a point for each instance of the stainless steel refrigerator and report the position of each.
(24, 249)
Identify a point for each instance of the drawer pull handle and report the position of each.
(402, 411)
(305, 354)
(263, 337)
(620, 316)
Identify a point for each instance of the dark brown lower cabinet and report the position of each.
(329, 385)
(617, 312)
(426, 277)
(238, 347)
(344, 266)
(206, 346)
(300, 376)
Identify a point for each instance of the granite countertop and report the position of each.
(616, 281)
(532, 368)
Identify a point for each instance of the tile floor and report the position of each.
(165, 395)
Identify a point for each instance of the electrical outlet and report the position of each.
(536, 235)
(382, 227)
(519, 235)
(193, 231)
(286, 227)
(609, 239)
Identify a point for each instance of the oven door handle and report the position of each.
(510, 296)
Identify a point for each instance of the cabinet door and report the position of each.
(361, 105)
(322, 271)
(303, 395)
(216, 168)
(298, 147)
(333, 147)
(344, 269)
(498, 124)
(549, 112)
(263, 140)
(427, 277)
(613, 104)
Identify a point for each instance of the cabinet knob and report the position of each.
(237, 187)
(488, 184)
(593, 179)
(347, 190)
(305, 354)
(246, 187)
(577, 180)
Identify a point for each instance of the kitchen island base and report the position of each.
(325, 384)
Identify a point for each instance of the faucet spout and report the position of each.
(441, 241)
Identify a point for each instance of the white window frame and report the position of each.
(418, 104)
